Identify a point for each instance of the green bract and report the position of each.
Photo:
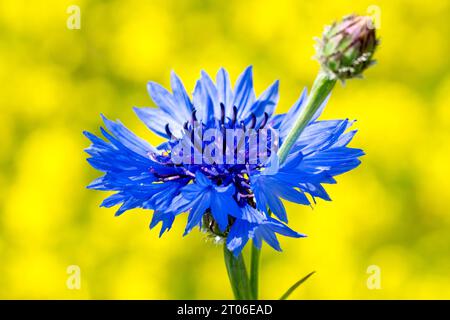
(346, 47)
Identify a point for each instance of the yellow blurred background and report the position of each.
(393, 212)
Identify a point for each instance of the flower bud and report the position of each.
(347, 47)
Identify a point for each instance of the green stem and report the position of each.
(320, 90)
(254, 271)
(237, 273)
(243, 287)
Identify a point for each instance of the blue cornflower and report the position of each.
(237, 200)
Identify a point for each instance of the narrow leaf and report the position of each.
(295, 286)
